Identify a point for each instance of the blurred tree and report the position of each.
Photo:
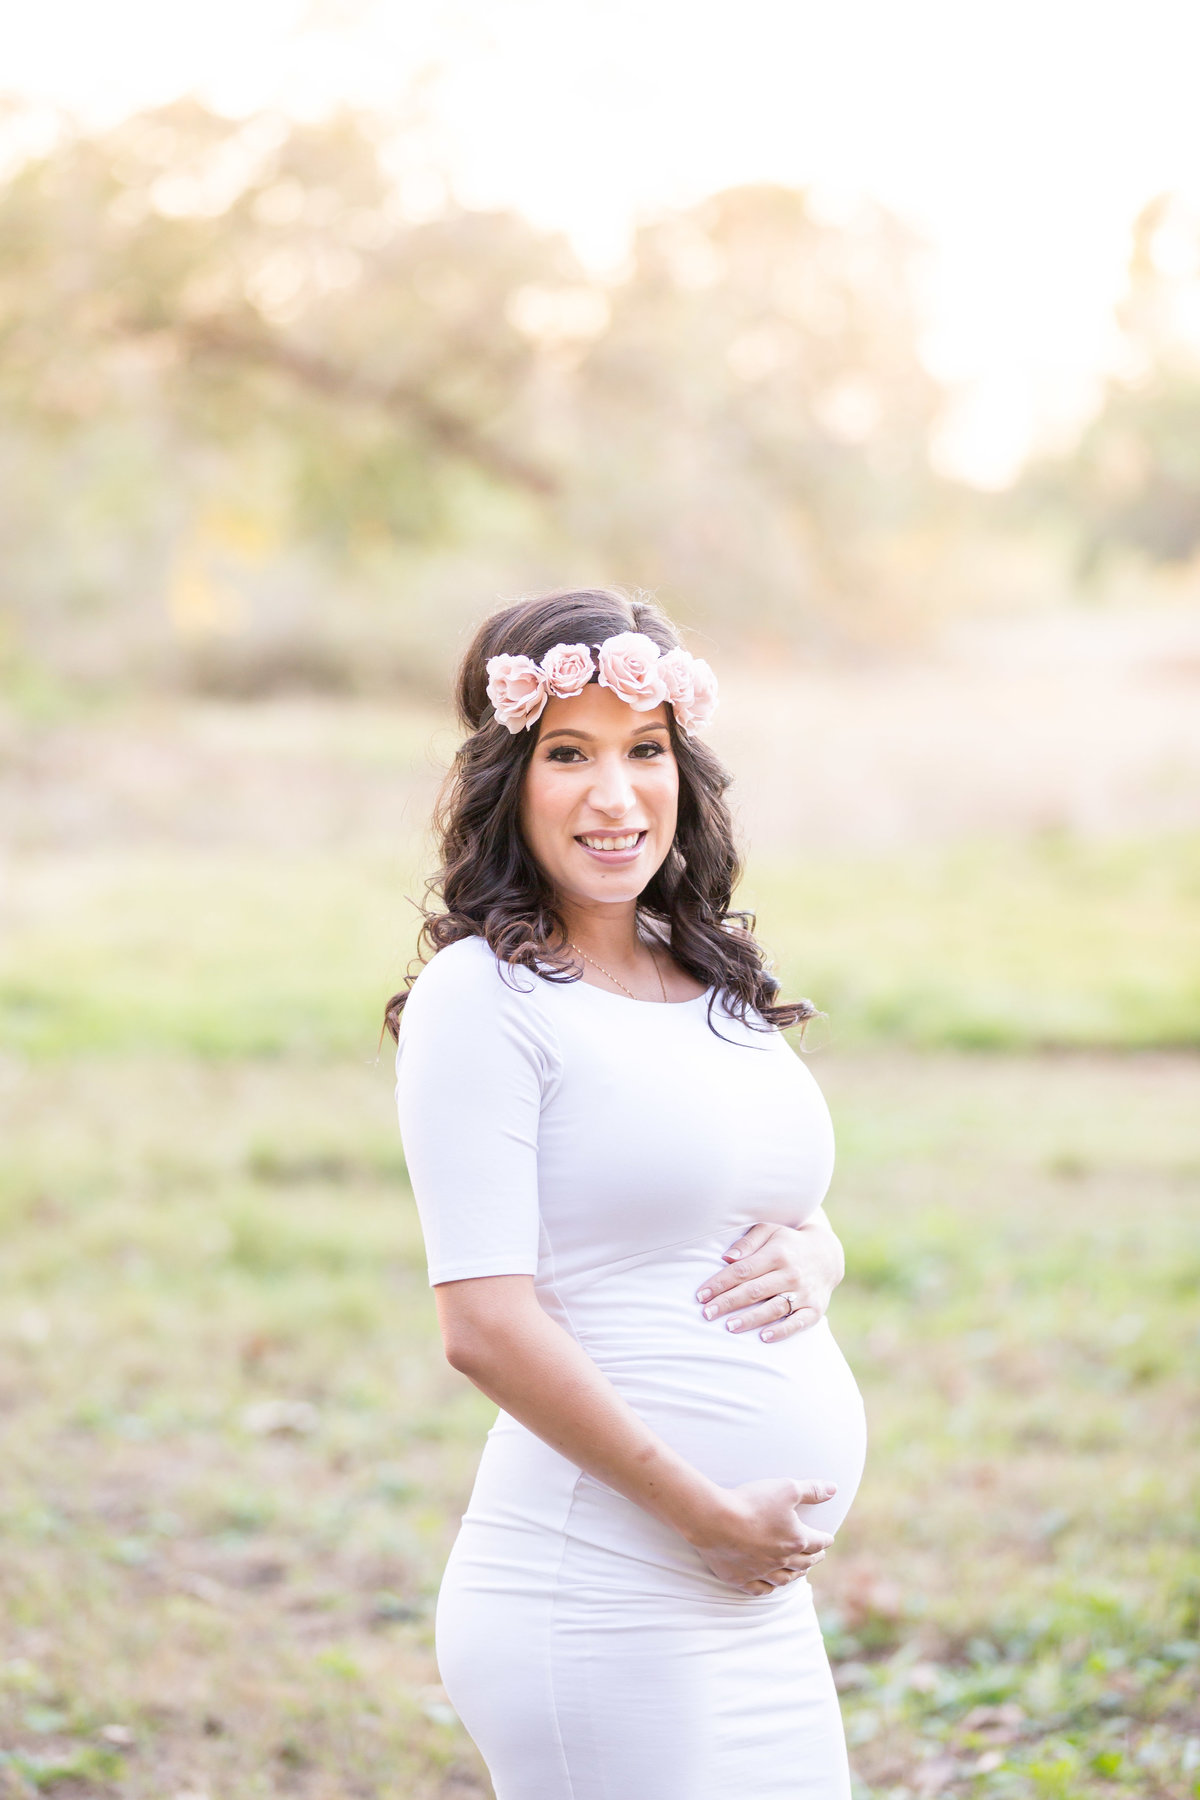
(219, 341)
(758, 416)
(1133, 480)
(264, 423)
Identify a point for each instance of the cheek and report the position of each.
(541, 805)
(664, 797)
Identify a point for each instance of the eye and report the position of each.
(649, 744)
(561, 752)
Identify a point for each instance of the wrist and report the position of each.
(705, 1515)
(819, 1228)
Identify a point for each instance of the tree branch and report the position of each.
(226, 338)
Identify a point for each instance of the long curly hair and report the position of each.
(489, 884)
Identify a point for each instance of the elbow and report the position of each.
(481, 1353)
(466, 1351)
(484, 1322)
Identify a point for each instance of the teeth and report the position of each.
(615, 843)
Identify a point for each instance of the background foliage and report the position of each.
(279, 418)
(267, 424)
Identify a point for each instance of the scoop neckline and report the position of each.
(626, 999)
(632, 999)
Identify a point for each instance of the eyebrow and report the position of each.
(571, 731)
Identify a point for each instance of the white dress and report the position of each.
(613, 1149)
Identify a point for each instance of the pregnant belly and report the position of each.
(737, 1408)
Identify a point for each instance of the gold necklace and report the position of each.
(613, 978)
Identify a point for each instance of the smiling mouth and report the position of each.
(611, 843)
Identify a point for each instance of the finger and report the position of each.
(729, 1282)
(752, 1239)
(808, 1541)
(775, 1311)
(784, 1574)
(750, 1287)
(808, 1559)
(813, 1493)
(799, 1319)
(798, 1567)
(750, 1267)
(802, 1565)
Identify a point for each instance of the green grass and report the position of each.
(234, 1458)
(1050, 943)
(220, 954)
(1045, 943)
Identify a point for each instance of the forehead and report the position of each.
(598, 714)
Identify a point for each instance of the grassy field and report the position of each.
(1027, 945)
(234, 1458)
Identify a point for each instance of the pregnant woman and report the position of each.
(619, 1165)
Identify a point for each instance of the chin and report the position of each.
(607, 893)
(613, 892)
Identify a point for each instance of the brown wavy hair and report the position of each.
(490, 886)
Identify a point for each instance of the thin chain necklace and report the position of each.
(613, 978)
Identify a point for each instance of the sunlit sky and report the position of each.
(1020, 137)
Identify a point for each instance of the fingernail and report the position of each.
(710, 1312)
(766, 1336)
(732, 1255)
(733, 1324)
(704, 1294)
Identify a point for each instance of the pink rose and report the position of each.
(629, 666)
(517, 689)
(697, 707)
(691, 688)
(568, 668)
(676, 670)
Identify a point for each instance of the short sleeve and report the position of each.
(475, 1062)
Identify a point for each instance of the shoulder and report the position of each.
(469, 971)
(466, 987)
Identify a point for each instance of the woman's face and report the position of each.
(600, 796)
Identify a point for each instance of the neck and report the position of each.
(609, 933)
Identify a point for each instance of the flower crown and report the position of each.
(631, 664)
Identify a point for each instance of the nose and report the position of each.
(611, 791)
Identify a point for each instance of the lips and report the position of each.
(612, 847)
(610, 840)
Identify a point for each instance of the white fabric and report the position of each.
(613, 1149)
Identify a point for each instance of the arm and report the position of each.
(477, 1060)
(771, 1261)
(496, 1333)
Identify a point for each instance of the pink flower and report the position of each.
(517, 689)
(691, 688)
(699, 707)
(629, 666)
(568, 669)
(676, 670)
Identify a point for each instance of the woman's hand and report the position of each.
(755, 1539)
(770, 1268)
(497, 1334)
